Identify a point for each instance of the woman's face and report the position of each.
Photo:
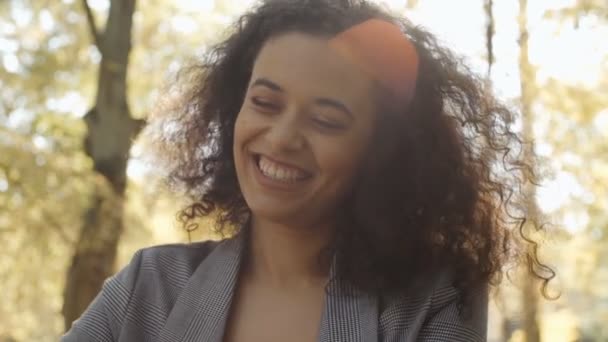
(302, 132)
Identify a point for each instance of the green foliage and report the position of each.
(42, 167)
(580, 9)
(48, 76)
(575, 121)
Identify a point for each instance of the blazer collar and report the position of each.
(202, 308)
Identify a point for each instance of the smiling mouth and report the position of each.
(279, 172)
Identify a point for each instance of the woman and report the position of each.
(355, 166)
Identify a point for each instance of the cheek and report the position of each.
(241, 135)
(238, 130)
(244, 128)
(341, 161)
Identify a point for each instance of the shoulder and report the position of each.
(164, 266)
(143, 293)
(179, 259)
(133, 303)
(432, 311)
(156, 275)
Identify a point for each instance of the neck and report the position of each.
(286, 256)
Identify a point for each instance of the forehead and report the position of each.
(306, 64)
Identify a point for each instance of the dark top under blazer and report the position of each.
(182, 293)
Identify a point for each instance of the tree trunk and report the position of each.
(530, 299)
(108, 141)
(488, 7)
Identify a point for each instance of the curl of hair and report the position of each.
(441, 188)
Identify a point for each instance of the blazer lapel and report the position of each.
(348, 315)
(203, 306)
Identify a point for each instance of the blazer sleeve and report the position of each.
(103, 319)
(454, 325)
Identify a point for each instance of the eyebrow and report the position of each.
(264, 82)
(323, 101)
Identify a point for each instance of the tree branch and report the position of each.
(92, 26)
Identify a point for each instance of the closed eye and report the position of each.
(266, 105)
(330, 125)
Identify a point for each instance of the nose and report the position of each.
(285, 134)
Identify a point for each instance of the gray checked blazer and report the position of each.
(182, 293)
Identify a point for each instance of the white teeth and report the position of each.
(278, 172)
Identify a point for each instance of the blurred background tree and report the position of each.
(52, 177)
(110, 130)
(574, 122)
(51, 75)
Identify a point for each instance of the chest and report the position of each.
(265, 314)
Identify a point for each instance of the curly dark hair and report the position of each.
(440, 189)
